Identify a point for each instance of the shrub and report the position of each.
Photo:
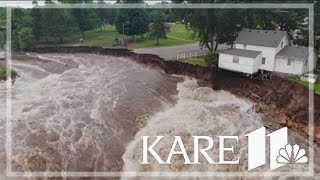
(3, 75)
(212, 58)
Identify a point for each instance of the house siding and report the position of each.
(305, 68)
(245, 65)
(268, 52)
(296, 67)
(285, 42)
(312, 58)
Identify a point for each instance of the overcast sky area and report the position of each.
(28, 4)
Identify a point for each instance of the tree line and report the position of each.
(211, 26)
(49, 25)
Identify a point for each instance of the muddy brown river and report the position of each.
(87, 113)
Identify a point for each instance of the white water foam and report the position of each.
(200, 111)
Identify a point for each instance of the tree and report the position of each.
(157, 26)
(102, 15)
(317, 26)
(22, 35)
(25, 37)
(132, 22)
(214, 26)
(2, 27)
(57, 23)
(86, 19)
(227, 26)
(37, 27)
(177, 1)
(131, 1)
(105, 15)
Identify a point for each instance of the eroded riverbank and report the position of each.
(78, 111)
(284, 100)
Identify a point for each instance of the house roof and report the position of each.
(260, 37)
(296, 52)
(242, 52)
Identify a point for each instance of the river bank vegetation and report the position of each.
(132, 27)
(3, 74)
(141, 28)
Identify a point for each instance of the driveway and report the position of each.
(171, 52)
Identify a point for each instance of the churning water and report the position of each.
(77, 112)
(87, 112)
(201, 111)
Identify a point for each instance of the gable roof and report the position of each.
(296, 52)
(242, 52)
(256, 37)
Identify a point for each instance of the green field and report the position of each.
(178, 35)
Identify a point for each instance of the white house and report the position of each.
(266, 51)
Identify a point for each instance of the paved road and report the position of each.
(170, 53)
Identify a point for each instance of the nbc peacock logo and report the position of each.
(292, 154)
(281, 152)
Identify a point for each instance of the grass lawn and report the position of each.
(305, 83)
(162, 42)
(195, 61)
(316, 86)
(178, 35)
(92, 38)
(180, 31)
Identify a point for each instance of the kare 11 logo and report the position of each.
(281, 153)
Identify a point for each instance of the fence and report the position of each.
(190, 55)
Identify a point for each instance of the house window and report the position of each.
(289, 62)
(281, 44)
(244, 46)
(235, 59)
(263, 60)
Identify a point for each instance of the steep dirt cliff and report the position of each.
(286, 100)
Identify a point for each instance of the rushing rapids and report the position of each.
(200, 111)
(77, 112)
(87, 113)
